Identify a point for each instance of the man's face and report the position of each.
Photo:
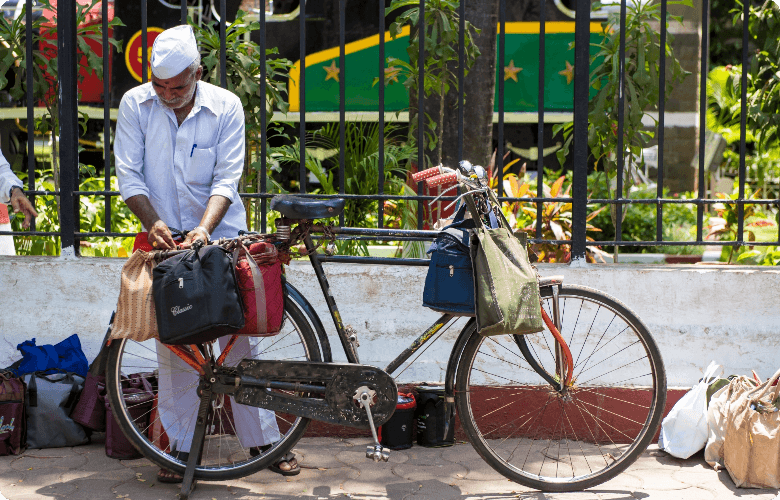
(177, 92)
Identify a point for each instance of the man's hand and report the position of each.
(160, 236)
(20, 203)
(199, 233)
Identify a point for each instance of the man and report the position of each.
(11, 192)
(179, 153)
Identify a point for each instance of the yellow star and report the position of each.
(332, 71)
(511, 71)
(391, 74)
(568, 73)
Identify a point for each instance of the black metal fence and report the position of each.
(70, 233)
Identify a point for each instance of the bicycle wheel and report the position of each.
(234, 431)
(539, 437)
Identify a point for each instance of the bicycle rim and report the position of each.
(233, 431)
(552, 441)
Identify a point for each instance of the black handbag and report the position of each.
(195, 297)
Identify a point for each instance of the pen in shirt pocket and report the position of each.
(193, 149)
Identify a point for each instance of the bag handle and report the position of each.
(32, 390)
(259, 286)
(759, 392)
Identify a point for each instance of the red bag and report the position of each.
(13, 417)
(259, 282)
(138, 394)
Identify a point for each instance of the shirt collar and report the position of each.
(203, 97)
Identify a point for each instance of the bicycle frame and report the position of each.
(195, 358)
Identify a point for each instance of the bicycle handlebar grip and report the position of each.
(440, 180)
(424, 174)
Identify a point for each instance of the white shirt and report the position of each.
(179, 167)
(7, 180)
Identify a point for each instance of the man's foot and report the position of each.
(166, 476)
(286, 465)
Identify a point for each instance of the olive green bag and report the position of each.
(506, 288)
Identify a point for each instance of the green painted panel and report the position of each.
(322, 93)
(522, 50)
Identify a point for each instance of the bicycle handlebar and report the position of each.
(439, 180)
(429, 172)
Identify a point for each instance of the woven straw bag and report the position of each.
(135, 317)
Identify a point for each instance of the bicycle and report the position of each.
(560, 410)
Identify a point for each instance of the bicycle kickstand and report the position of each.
(364, 396)
(196, 448)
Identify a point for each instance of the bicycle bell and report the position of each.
(479, 171)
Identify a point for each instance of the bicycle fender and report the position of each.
(314, 318)
(452, 369)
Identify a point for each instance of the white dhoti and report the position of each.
(177, 402)
(6, 242)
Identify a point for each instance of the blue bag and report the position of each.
(65, 356)
(449, 285)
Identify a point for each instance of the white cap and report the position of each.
(173, 51)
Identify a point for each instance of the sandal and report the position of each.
(170, 477)
(288, 459)
(167, 476)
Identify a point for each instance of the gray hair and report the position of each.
(194, 66)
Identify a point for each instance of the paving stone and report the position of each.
(375, 481)
(435, 490)
(418, 473)
(685, 494)
(44, 461)
(625, 481)
(657, 479)
(437, 471)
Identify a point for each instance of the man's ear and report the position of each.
(199, 73)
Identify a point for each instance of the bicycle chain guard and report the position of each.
(334, 404)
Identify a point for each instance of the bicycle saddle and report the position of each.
(295, 207)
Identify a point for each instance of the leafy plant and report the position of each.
(724, 227)
(92, 215)
(763, 83)
(361, 169)
(640, 90)
(440, 38)
(556, 218)
(13, 59)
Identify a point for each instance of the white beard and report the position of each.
(178, 103)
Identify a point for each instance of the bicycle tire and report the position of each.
(295, 341)
(522, 427)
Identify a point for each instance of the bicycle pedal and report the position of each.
(377, 452)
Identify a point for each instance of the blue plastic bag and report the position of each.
(65, 356)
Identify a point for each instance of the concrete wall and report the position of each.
(696, 313)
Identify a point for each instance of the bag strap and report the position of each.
(493, 201)
(32, 390)
(759, 392)
(259, 286)
(73, 396)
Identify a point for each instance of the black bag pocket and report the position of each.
(449, 284)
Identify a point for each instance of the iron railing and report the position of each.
(70, 232)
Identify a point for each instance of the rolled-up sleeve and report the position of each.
(7, 180)
(129, 151)
(230, 153)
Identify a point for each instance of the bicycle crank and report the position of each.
(327, 392)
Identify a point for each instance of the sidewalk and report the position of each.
(337, 468)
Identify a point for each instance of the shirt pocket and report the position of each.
(201, 166)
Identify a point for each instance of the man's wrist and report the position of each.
(11, 193)
(206, 231)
